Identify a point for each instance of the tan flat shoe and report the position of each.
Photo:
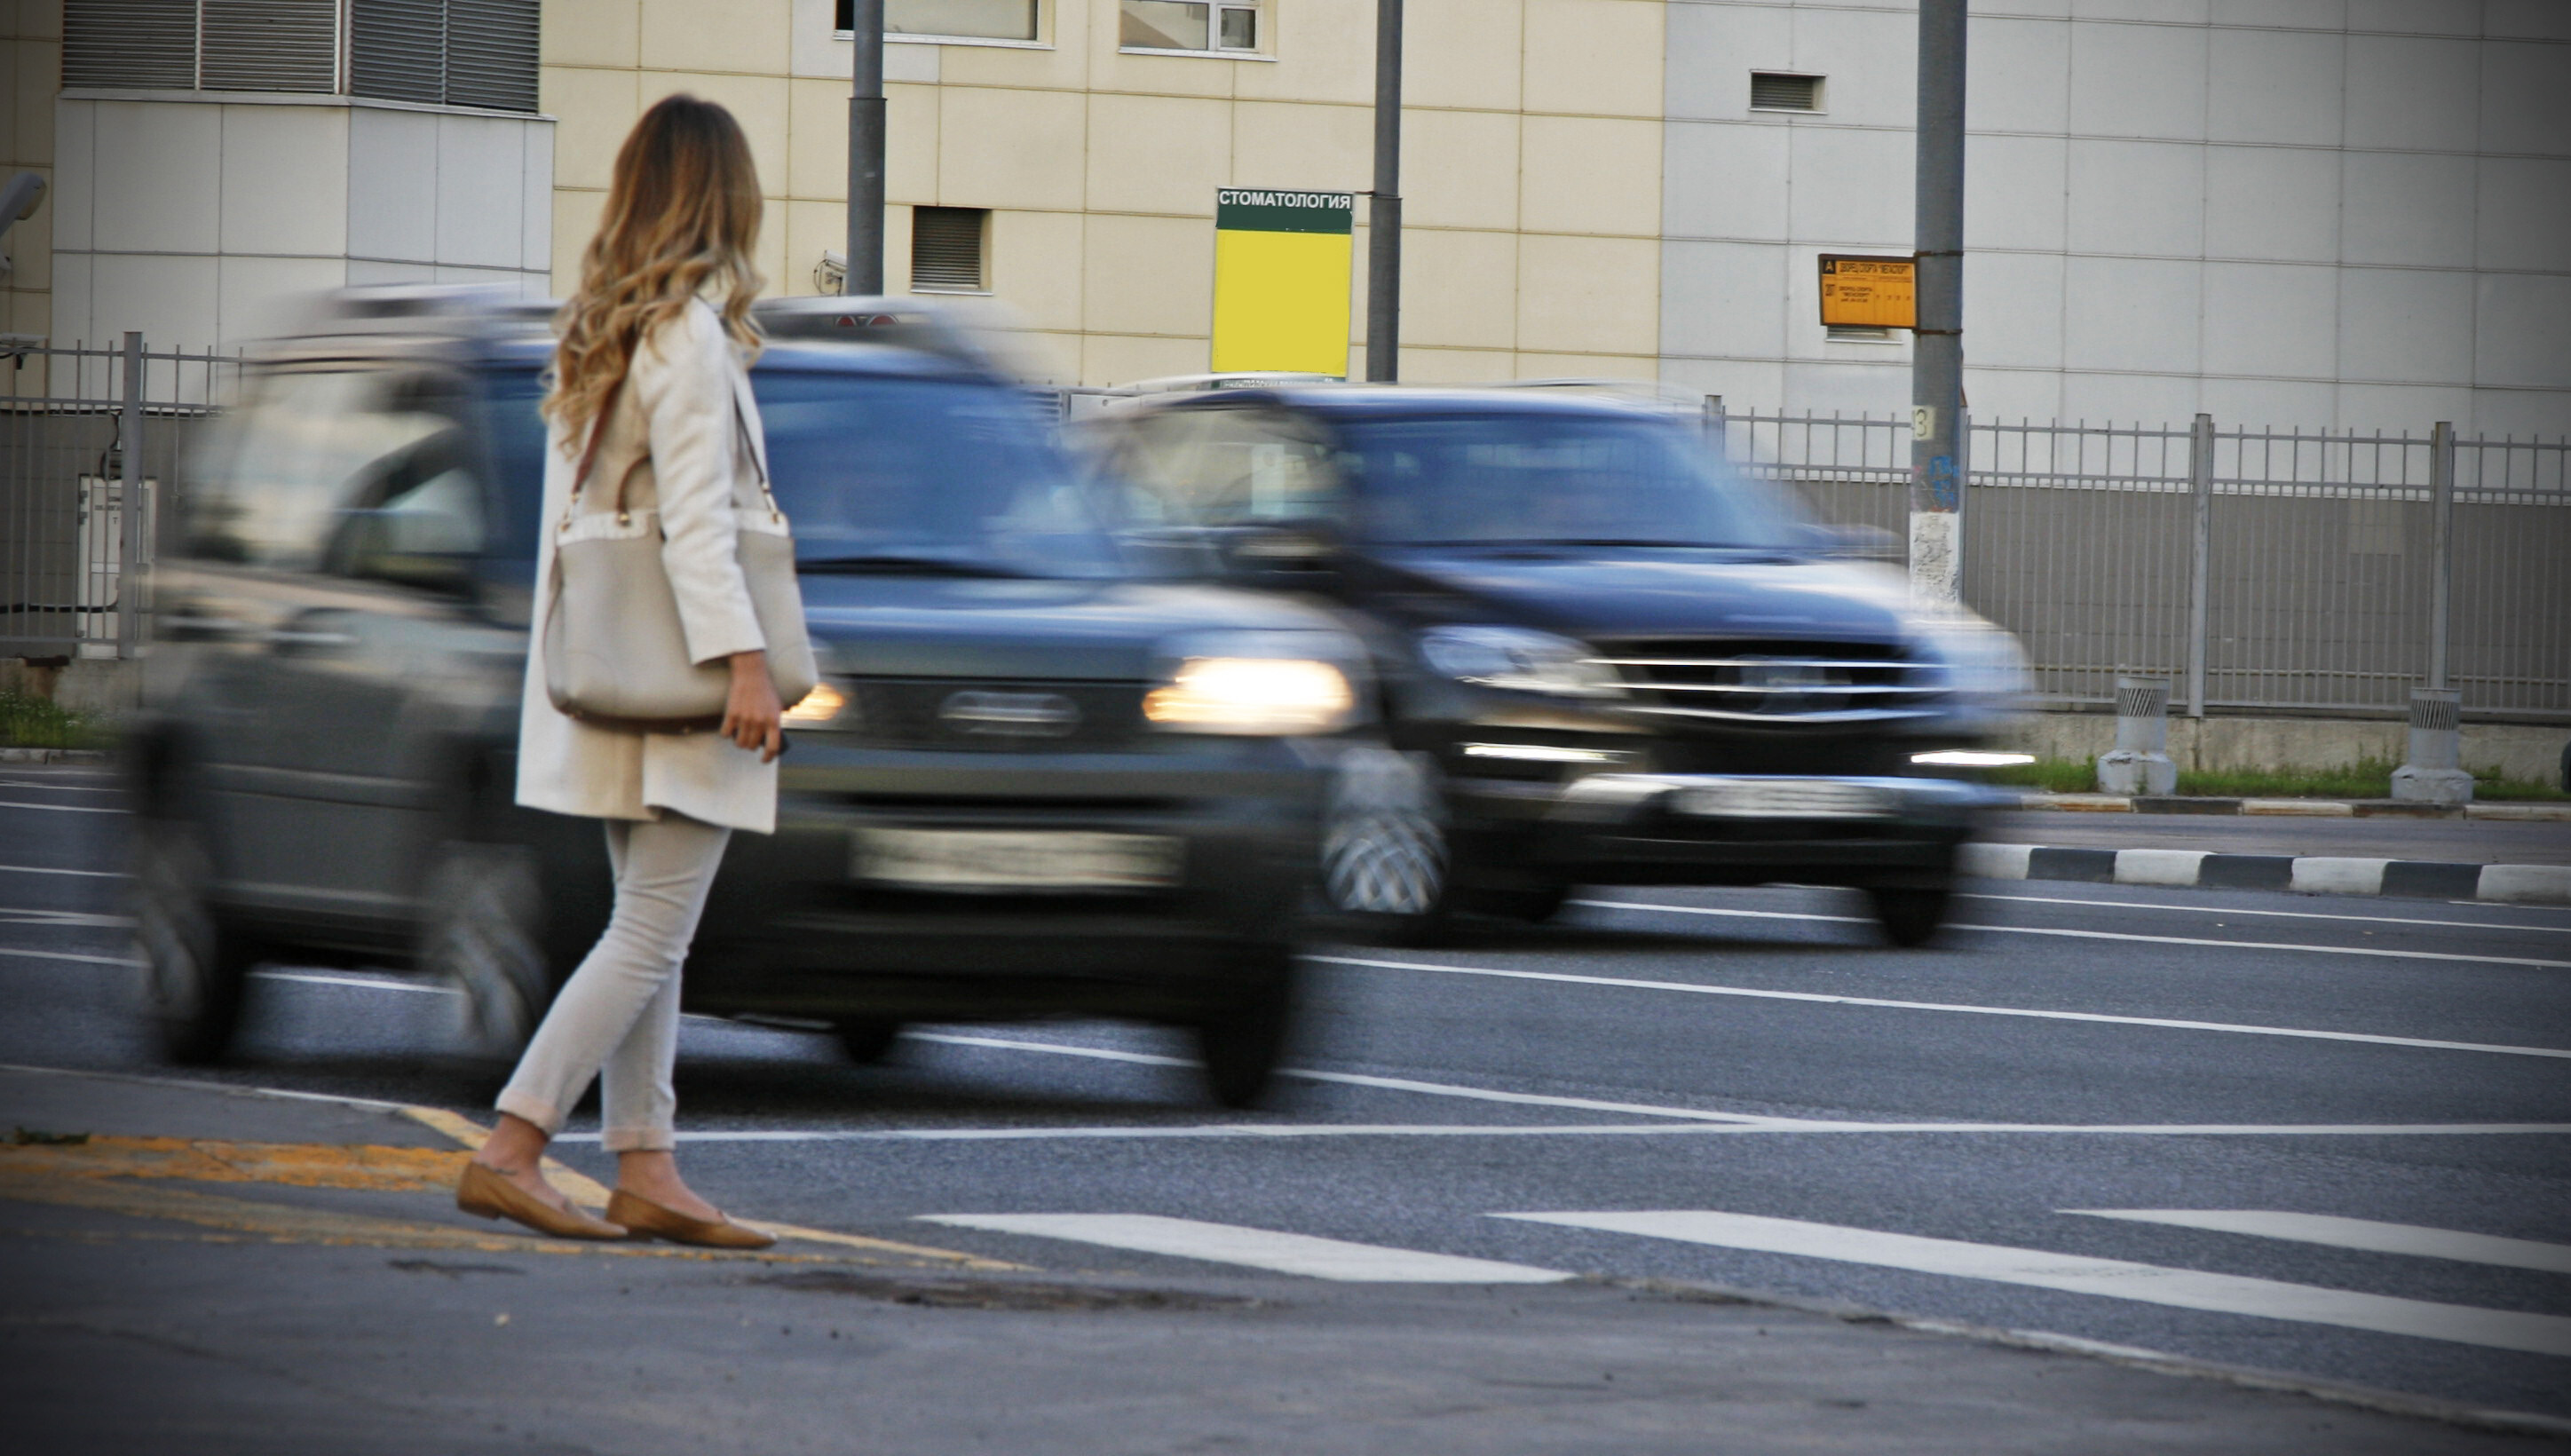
(648, 1220)
(483, 1191)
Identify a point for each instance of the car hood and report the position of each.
(1046, 629)
(1655, 591)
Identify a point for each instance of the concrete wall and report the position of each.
(2316, 212)
(2285, 744)
(1531, 171)
(193, 215)
(31, 57)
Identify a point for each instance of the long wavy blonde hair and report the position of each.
(683, 214)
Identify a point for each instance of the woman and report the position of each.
(658, 373)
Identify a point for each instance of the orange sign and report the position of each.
(1869, 292)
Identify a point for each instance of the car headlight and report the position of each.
(1257, 684)
(1978, 661)
(823, 706)
(1518, 659)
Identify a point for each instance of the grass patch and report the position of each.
(38, 723)
(2364, 778)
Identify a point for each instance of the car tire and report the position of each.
(1910, 914)
(1241, 1041)
(1386, 861)
(867, 1039)
(196, 970)
(484, 936)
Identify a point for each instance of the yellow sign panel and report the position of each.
(1869, 292)
(1281, 280)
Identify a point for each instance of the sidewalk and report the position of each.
(214, 1272)
(2439, 860)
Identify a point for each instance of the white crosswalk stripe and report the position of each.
(1261, 1249)
(2364, 1233)
(2544, 1334)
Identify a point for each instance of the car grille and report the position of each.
(964, 714)
(1734, 680)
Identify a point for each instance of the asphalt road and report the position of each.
(2045, 1111)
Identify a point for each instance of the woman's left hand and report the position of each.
(752, 713)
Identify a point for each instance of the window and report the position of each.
(1857, 334)
(1185, 25)
(994, 20)
(1776, 91)
(1229, 467)
(313, 446)
(947, 246)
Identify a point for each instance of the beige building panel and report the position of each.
(31, 113)
(896, 267)
(759, 103)
(575, 213)
(811, 228)
(1589, 295)
(1062, 64)
(1643, 369)
(1158, 153)
(1595, 57)
(1035, 268)
(1591, 174)
(717, 35)
(32, 312)
(1111, 359)
(591, 111)
(592, 33)
(1459, 168)
(1423, 366)
(1324, 51)
(1053, 356)
(911, 145)
(1114, 69)
(1010, 148)
(1475, 57)
(1286, 145)
(1459, 289)
(816, 140)
(1149, 275)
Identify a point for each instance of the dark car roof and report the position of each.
(1400, 401)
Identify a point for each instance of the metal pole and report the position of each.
(1937, 348)
(2442, 495)
(1383, 217)
(2200, 479)
(128, 568)
(867, 152)
(1718, 427)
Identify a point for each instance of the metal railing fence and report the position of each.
(87, 438)
(2256, 569)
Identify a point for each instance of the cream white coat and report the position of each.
(687, 428)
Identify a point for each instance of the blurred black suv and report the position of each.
(1604, 657)
(1030, 783)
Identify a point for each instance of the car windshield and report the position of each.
(1542, 479)
(888, 474)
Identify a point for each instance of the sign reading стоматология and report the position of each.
(1869, 292)
(1281, 280)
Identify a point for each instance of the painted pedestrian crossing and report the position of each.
(1329, 1258)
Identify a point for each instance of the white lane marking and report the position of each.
(64, 955)
(2363, 950)
(60, 787)
(38, 870)
(2211, 912)
(369, 983)
(60, 808)
(2114, 1279)
(1272, 1130)
(1820, 998)
(1352, 1079)
(2364, 1233)
(1259, 1249)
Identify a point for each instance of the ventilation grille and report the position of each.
(1772, 92)
(1769, 682)
(946, 248)
(492, 54)
(397, 50)
(138, 43)
(1857, 334)
(269, 45)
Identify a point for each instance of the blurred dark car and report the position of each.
(1603, 658)
(1030, 783)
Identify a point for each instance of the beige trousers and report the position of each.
(617, 1018)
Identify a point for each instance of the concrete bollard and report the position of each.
(2140, 761)
(2434, 772)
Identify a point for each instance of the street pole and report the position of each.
(1938, 432)
(1383, 216)
(866, 154)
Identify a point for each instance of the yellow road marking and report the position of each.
(295, 1164)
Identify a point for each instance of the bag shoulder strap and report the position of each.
(589, 457)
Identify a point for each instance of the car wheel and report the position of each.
(194, 970)
(1910, 914)
(1241, 1041)
(868, 1039)
(484, 937)
(1384, 851)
